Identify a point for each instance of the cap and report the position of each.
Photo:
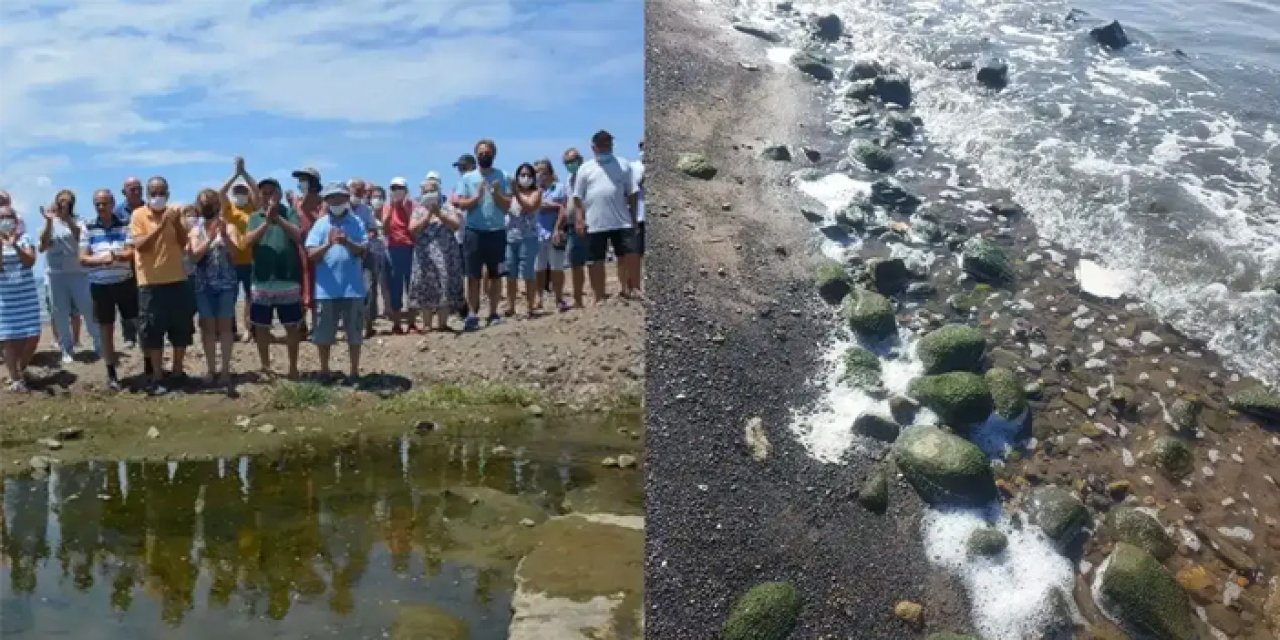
(310, 172)
(239, 186)
(399, 182)
(601, 137)
(269, 181)
(465, 158)
(334, 189)
(432, 175)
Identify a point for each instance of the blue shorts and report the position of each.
(290, 315)
(484, 251)
(576, 248)
(216, 305)
(329, 313)
(522, 257)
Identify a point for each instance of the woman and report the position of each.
(19, 299)
(212, 242)
(377, 273)
(395, 218)
(435, 288)
(68, 281)
(522, 238)
(552, 258)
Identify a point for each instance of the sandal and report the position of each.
(18, 386)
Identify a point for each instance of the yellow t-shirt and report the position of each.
(161, 263)
(239, 218)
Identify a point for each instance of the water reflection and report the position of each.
(330, 540)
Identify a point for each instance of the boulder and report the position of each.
(1006, 392)
(1136, 591)
(960, 398)
(986, 542)
(1111, 36)
(901, 127)
(1259, 402)
(861, 369)
(874, 157)
(993, 74)
(921, 290)
(861, 90)
(874, 494)
(833, 281)
(889, 275)
(814, 65)
(903, 409)
(954, 347)
(766, 612)
(1058, 512)
(944, 468)
(889, 194)
(985, 261)
(757, 31)
(877, 427)
(777, 152)
(828, 28)
(869, 314)
(893, 89)
(864, 70)
(696, 165)
(856, 214)
(1172, 456)
(1126, 524)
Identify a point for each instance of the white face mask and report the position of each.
(526, 181)
(158, 202)
(239, 199)
(338, 209)
(8, 225)
(377, 203)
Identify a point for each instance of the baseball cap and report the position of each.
(465, 158)
(432, 175)
(334, 189)
(310, 172)
(399, 182)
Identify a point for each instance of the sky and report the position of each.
(93, 91)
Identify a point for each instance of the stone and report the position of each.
(1136, 590)
(1172, 456)
(1126, 524)
(985, 261)
(1259, 402)
(814, 65)
(777, 152)
(1234, 556)
(863, 70)
(954, 347)
(1197, 582)
(427, 622)
(877, 427)
(626, 461)
(965, 302)
(903, 409)
(1223, 619)
(40, 463)
(901, 127)
(609, 462)
(812, 155)
(1111, 36)
(534, 410)
(70, 433)
(889, 275)
(893, 89)
(828, 28)
(1184, 415)
(861, 90)
(874, 494)
(861, 369)
(267, 429)
(959, 398)
(1058, 512)
(874, 157)
(833, 281)
(696, 165)
(50, 443)
(909, 612)
(766, 612)
(153, 433)
(944, 468)
(987, 542)
(921, 290)
(993, 74)
(1006, 393)
(869, 314)
(887, 193)
(757, 31)
(757, 439)
(1271, 608)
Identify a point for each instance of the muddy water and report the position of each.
(361, 540)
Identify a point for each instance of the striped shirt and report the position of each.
(19, 296)
(100, 239)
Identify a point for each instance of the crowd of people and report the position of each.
(327, 257)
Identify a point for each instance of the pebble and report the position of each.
(1127, 457)
(909, 612)
(609, 462)
(153, 433)
(1228, 501)
(1146, 339)
(1239, 533)
(1124, 342)
(40, 463)
(535, 411)
(70, 433)
(243, 421)
(1095, 363)
(626, 461)
(526, 522)
(50, 443)
(267, 428)
(1189, 539)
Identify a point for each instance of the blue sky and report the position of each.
(92, 91)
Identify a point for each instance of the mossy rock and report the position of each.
(833, 280)
(960, 398)
(889, 275)
(816, 66)
(893, 88)
(972, 299)
(944, 468)
(874, 494)
(901, 127)
(861, 369)
(1126, 524)
(1058, 512)
(1135, 589)
(987, 542)
(1006, 392)
(1172, 456)
(1184, 415)
(954, 347)
(985, 261)
(696, 165)
(873, 157)
(869, 314)
(877, 427)
(1259, 402)
(765, 612)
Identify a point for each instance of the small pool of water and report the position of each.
(330, 541)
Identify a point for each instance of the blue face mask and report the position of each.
(604, 158)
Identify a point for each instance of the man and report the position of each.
(637, 169)
(395, 218)
(131, 189)
(309, 207)
(165, 298)
(238, 204)
(482, 194)
(376, 266)
(336, 245)
(105, 252)
(604, 195)
(576, 246)
(275, 237)
(466, 163)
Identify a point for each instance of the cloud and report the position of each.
(161, 157)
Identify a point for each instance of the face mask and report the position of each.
(526, 181)
(397, 196)
(573, 166)
(377, 203)
(157, 202)
(240, 199)
(304, 187)
(604, 158)
(8, 225)
(338, 209)
(485, 161)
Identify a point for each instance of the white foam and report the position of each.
(780, 55)
(1009, 594)
(1099, 281)
(834, 190)
(997, 436)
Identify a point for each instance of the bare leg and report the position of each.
(557, 285)
(209, 340)
(179, 356)
(540, 283)
(530, 295)
(263, 336)
(512, 290)
(579, 277)
(323, 350)
(226, 340)
(596, 272)
(473, 295)
(13, 361)
(293, 337)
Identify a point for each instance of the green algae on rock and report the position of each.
(959, 398)
(987, 542)
(869, 314)
(1058, 512)
(765, 612)
(985, 261)
(1127, 524)
(873, 157)
(833, 281)
(696, 165)
(954, 347)
(1006, 393)
(1172, 456)
(874, 494)
(944, 468)
(1258, 402)
(1133, 588)
(861, 369)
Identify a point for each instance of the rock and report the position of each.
(1135, 590)
(944, 468)
(626, 461)
(986, 261)
(861, 369)
(834, 283)
(889, 194)
(869, 314)
(50, 443)
(70, 433)
(609, 462)
(973, 299)
(959, 398)
(921, 290)
(1258, 402)
(427, 622)
(757, 31)
(864, 70)
(153, 433)
(987, 542)
(861, 90)
(696, 165)
(1270, 284)
(1006, 393)
(954, 347)
(873, 157)
(534, 410)
(757, 439)
(1126, 524)
(1172, 456)
(1120, 401)
(766, 612)
(903, 409)
(909, 612)
(1058, 512)
(1224, 619)
(813, 155)
(40, 463)
(816, 66)
(1197, 582)
(777, 152)
(947, 635)
(425, 426)
(828, 28)
(877, 427)
(893, 89)
(1184, 415)
(901, 127)
(1005, 208)
(889, 275)
(1111, 36)
(1271, 609)
(874, 494)
(1235, 557)
(993, 74)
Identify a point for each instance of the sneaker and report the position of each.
(18, 386)
(113, 384)
(156, 389)
(563, 306)
(67, 359)
(472, 323)
(129, 345)
(493, 319)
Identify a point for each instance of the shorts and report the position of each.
(484, 250)
(550, 257)
(329, 313)
(107, 298)
(623, 241)
(576, 250)
(522, 257)
(216, 305)
(289, 314)
(640, 238)
(244, 275)
(166, 310)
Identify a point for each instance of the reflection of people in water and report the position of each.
(25, 544)
(80, 522)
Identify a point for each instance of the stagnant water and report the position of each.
(328, 542)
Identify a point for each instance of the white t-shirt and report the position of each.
(603, 190)
(63, 255)
(637, 170)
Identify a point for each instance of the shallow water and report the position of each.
(328, 542)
